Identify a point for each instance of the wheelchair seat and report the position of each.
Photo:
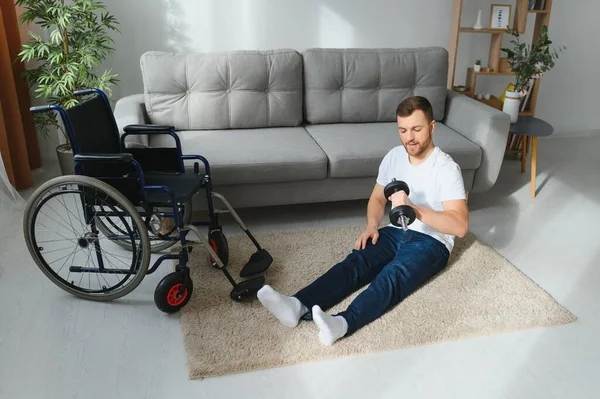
(183, 185)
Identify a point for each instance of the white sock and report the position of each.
(331, 328)
(286, 309)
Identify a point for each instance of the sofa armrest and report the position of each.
(483, 125)
(131, 110)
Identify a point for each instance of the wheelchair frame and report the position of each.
(258, 262)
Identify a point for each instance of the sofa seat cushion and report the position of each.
(356, 150)
(243, 156)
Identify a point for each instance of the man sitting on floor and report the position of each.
(393, 262)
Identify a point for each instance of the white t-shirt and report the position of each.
(435, 180)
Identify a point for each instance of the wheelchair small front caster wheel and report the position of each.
(173, 293)
(247, 288)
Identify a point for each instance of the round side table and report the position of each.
(530, 126)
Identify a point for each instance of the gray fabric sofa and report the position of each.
(286, 127)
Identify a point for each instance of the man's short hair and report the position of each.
(412, 104)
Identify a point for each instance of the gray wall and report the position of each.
(569, 94)
(221, 25)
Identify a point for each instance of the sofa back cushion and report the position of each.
(366, 85)
(227, 90)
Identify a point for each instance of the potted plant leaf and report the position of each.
(527, 62)
(76, 43)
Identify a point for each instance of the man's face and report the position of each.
(416, 132)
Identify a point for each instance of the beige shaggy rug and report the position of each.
(479, 293)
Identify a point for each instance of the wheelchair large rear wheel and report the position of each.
(112, 227)
(60, 227)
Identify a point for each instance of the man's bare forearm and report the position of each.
(447, 222)
(375, 210)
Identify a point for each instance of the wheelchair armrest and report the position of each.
(152, 130)
(41, 108)
(116, 158)
(147, 128)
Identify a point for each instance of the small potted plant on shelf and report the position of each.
(477, 66)
(528, 62)
(76, 42)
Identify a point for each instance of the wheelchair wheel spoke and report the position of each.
(72, 199)
(87, 262)
(85, 204)
(115, 258)
(66, 260)
(62, 225)
(64, 239)
(75, 250)
(53, 232)
(115, 268)
(56, 250)
(69, 213)
(81, 279)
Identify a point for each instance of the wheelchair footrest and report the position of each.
(258, 263)
(247, 289)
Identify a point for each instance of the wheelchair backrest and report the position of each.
(91, 125)
(94, 128)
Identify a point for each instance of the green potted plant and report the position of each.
(527, 62)
(477, 66)
(76, 42)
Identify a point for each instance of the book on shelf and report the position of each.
(525, 98)
(537, 4)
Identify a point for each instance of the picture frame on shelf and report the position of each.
(500, 16)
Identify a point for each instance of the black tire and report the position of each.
(40, 218)
(219, 244)
(167, 295)
(157, 244)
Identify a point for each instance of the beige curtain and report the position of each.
(18, 142)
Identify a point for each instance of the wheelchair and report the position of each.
(92, 233)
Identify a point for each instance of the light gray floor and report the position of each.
(55, 346)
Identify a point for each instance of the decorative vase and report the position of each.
(478, 23)
(504, 65)
(477, 68)
(512, 101)
(65, 160)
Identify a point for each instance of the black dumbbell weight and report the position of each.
(402, 215)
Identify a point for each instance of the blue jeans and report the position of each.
(398, 264)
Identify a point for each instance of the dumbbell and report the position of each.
(402, 215)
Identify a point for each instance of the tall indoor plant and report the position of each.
(76, 43)
(527, 62)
